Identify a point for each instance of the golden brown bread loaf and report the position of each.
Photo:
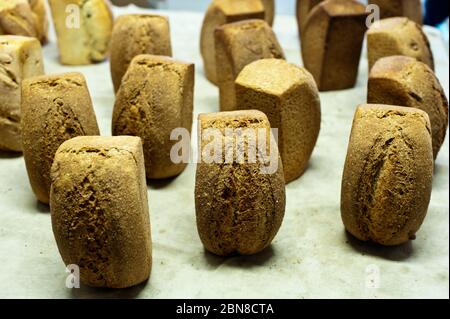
(99, 210)
(386, 185)
(156, 97)
(24, 17)
(398, 36)
(135, 34)
(83, 29)
(55, 108)
(412, 9)
(289, 97)
(20, 58)
(221, 12)
(38, 7)
(239, 209)
(332, 42)
(401, 80)
(269, 9)
(304, 7)
(238, 44)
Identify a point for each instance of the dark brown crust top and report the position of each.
(387, 178)
(55, 108)
(156, 97)
(100, 212)
(239, 210)
(401, 80)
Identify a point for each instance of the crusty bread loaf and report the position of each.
(38, 7)
(238, 44)
(156, 97)
(222, 12)
(239, 209)
(55, 108)
(88, 41)
(386, 185)
(401, 80)
(398, 36)
(304, 7)
(135, 34)
(289, 97)
(99, 210)
(20, 58)
(332, 42)
(412, 9)
(269, 8)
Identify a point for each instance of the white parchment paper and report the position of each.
(311, 257)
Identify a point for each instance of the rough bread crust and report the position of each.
(398, 36)
(412, 9)
(136, 34)
(332, 42)
(55, 108)
(99, 210)
(20, 58)
(238, 44)
(387, 180)
(221, 12)
(401, 80)
(288, 95)
(90, 42)
(304, 7)
(239, 210)
(156, 97)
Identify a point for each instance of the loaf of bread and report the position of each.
(25, 18)
(20, 58)
(156, 97)
(55, 108)
(99, 210)
(412, 9)
(222, 12)
(387, 178)
(83, 29)
(238, 44)
(289, 97)
(135, 34)
(401, 80)
(38, 7)
(239, 207)
(332, 42)
(398, 36)
(304, 7)
(269, 8)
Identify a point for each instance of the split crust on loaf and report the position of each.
(99, 209)
(387, 177)
(55, 108)
(135, 34)
(239, 209)
(156, 97)
(401, 80)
